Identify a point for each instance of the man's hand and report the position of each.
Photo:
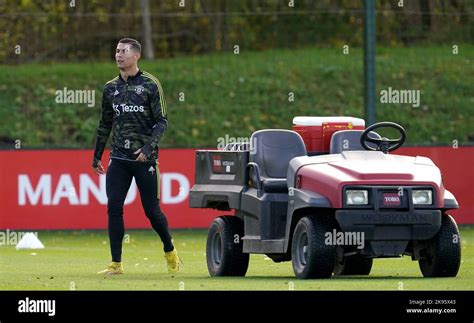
(99, 170)
(141, 157)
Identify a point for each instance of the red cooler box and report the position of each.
(317, 131)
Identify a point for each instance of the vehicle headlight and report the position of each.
(357, 197)
(422, 197)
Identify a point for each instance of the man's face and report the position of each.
(125, 56)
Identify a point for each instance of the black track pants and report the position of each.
(118, 181)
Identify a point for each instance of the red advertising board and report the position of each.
(456, 165)
(56, 189)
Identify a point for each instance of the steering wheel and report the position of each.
(384, 144)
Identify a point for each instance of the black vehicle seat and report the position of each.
(344, 140)
(272, 150)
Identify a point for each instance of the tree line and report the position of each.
(68, 30)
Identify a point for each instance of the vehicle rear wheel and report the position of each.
(224, 247)
(354, 265)
(442, 256)
(311, 256)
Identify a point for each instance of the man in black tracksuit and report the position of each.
(134, 109)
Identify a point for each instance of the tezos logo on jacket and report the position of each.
(122, 108)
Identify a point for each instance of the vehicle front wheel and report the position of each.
(442, 256)
(311, 256)
(224, 247)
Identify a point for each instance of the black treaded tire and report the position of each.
(354, 265)
(311, 257)
(443, 253)
(224, 247)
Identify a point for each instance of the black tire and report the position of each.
(443, 253)
(311, 257)
(354, 265)
(224, 247)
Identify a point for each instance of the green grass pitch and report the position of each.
(72, 258)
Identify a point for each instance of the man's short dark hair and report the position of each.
(134, 44)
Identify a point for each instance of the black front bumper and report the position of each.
(390, 225)
(388, 233)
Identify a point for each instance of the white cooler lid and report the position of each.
(318, 121)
